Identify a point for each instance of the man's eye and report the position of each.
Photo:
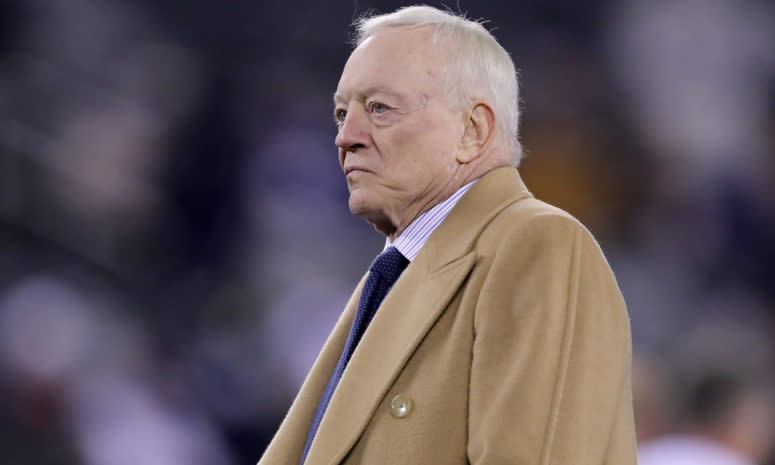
(377, 107)
(340, 115)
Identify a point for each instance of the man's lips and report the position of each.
(350, 169)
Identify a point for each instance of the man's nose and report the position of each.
(353, 133)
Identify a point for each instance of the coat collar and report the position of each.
(413, 305)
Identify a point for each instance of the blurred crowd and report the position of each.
(171, 204)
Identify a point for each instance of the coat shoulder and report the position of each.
(532, 221)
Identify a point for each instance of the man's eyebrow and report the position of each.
(339, 98)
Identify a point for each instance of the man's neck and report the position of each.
(462, 176)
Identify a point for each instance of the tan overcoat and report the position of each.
(507, 337)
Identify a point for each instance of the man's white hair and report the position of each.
(480, 67)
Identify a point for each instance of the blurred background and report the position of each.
(171, 201)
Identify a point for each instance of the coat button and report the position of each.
(400, 406)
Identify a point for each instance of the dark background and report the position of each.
(171, 204)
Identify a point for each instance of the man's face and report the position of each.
(397, 136)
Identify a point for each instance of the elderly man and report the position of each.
(490, 330)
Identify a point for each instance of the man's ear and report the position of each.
(478, 133)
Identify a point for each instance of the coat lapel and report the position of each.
(406, 314)
(287, 445)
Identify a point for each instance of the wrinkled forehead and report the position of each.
(397, 58)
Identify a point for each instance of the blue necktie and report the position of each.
(384, 272)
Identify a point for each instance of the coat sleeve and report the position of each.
(550, 373)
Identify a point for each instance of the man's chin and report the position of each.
(366, 208)
(360, 205)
